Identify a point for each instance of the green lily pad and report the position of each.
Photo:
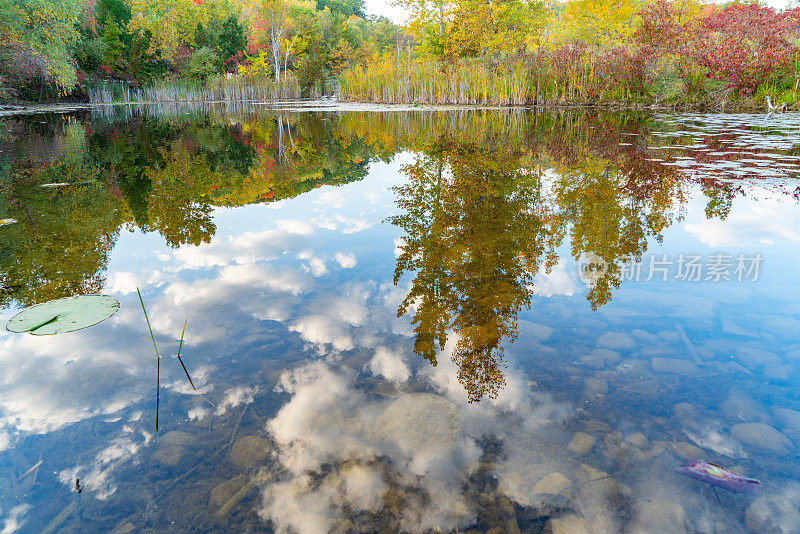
(64, 315)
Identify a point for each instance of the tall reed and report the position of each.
(570, 73)
(217, 89)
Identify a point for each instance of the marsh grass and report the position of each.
(217, 89)
(570, 74)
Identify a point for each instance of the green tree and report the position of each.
(232, 37)
(90, 53)
(345, 7)
(49, 29)
(145, 65)
(115, 49)
(112, 12)
(203, 64)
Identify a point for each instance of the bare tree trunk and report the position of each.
(275, 40)
(281, 149)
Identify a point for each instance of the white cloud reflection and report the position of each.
(331, 422)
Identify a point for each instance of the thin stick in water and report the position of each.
(179, 355)
(158, 358)
(158, 388)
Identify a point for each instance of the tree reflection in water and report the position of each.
(474, 238)
(482, 218)
(490, 201)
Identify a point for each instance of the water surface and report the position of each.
(401, 321)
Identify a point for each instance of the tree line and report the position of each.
(501, 52)
(57, 48)
(681, 52)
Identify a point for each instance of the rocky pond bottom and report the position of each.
(402, 321)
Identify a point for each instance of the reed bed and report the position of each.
(468, 83)
(217, 89)
(567, 74)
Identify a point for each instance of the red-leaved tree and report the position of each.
(742, 43)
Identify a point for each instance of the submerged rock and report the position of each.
(751, 357)
(778, 372)
(742, 407)
(223, 492)
(596, 386)
(419, 421)
(599, 358)
(762, 436)
(660, 516)
(685, 412)
(602, 501)
(171, 447)
(637, 439)
(645, 337)
(772, 514)
(616, 341)
(674, 365)
(670, 336)
(593, 361)
(568, 524)
(552, 484)
(249, 451)
(687, 451)
(611, 357)
(789, 421)
(581, 443)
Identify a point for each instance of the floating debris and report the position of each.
(4, 222)
(62, 184)
(31, 470)
(719, 476)
(64, 315)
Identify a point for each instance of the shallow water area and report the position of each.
(401, 320)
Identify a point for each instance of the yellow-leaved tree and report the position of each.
(171, 22)
(429, 23)
(600, 22)
(493, 27)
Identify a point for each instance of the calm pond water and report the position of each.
(402, 321)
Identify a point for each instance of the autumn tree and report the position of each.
(43, 28)
(170, 22)
(600, 22)
(498, 27)
(743, 43)
(429, 22)
(272, 23)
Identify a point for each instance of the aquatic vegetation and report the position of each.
(721, 477)
(218, 89)
(180, 345)
(158, 357)
(64, 315)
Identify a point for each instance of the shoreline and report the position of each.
(331, 104)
